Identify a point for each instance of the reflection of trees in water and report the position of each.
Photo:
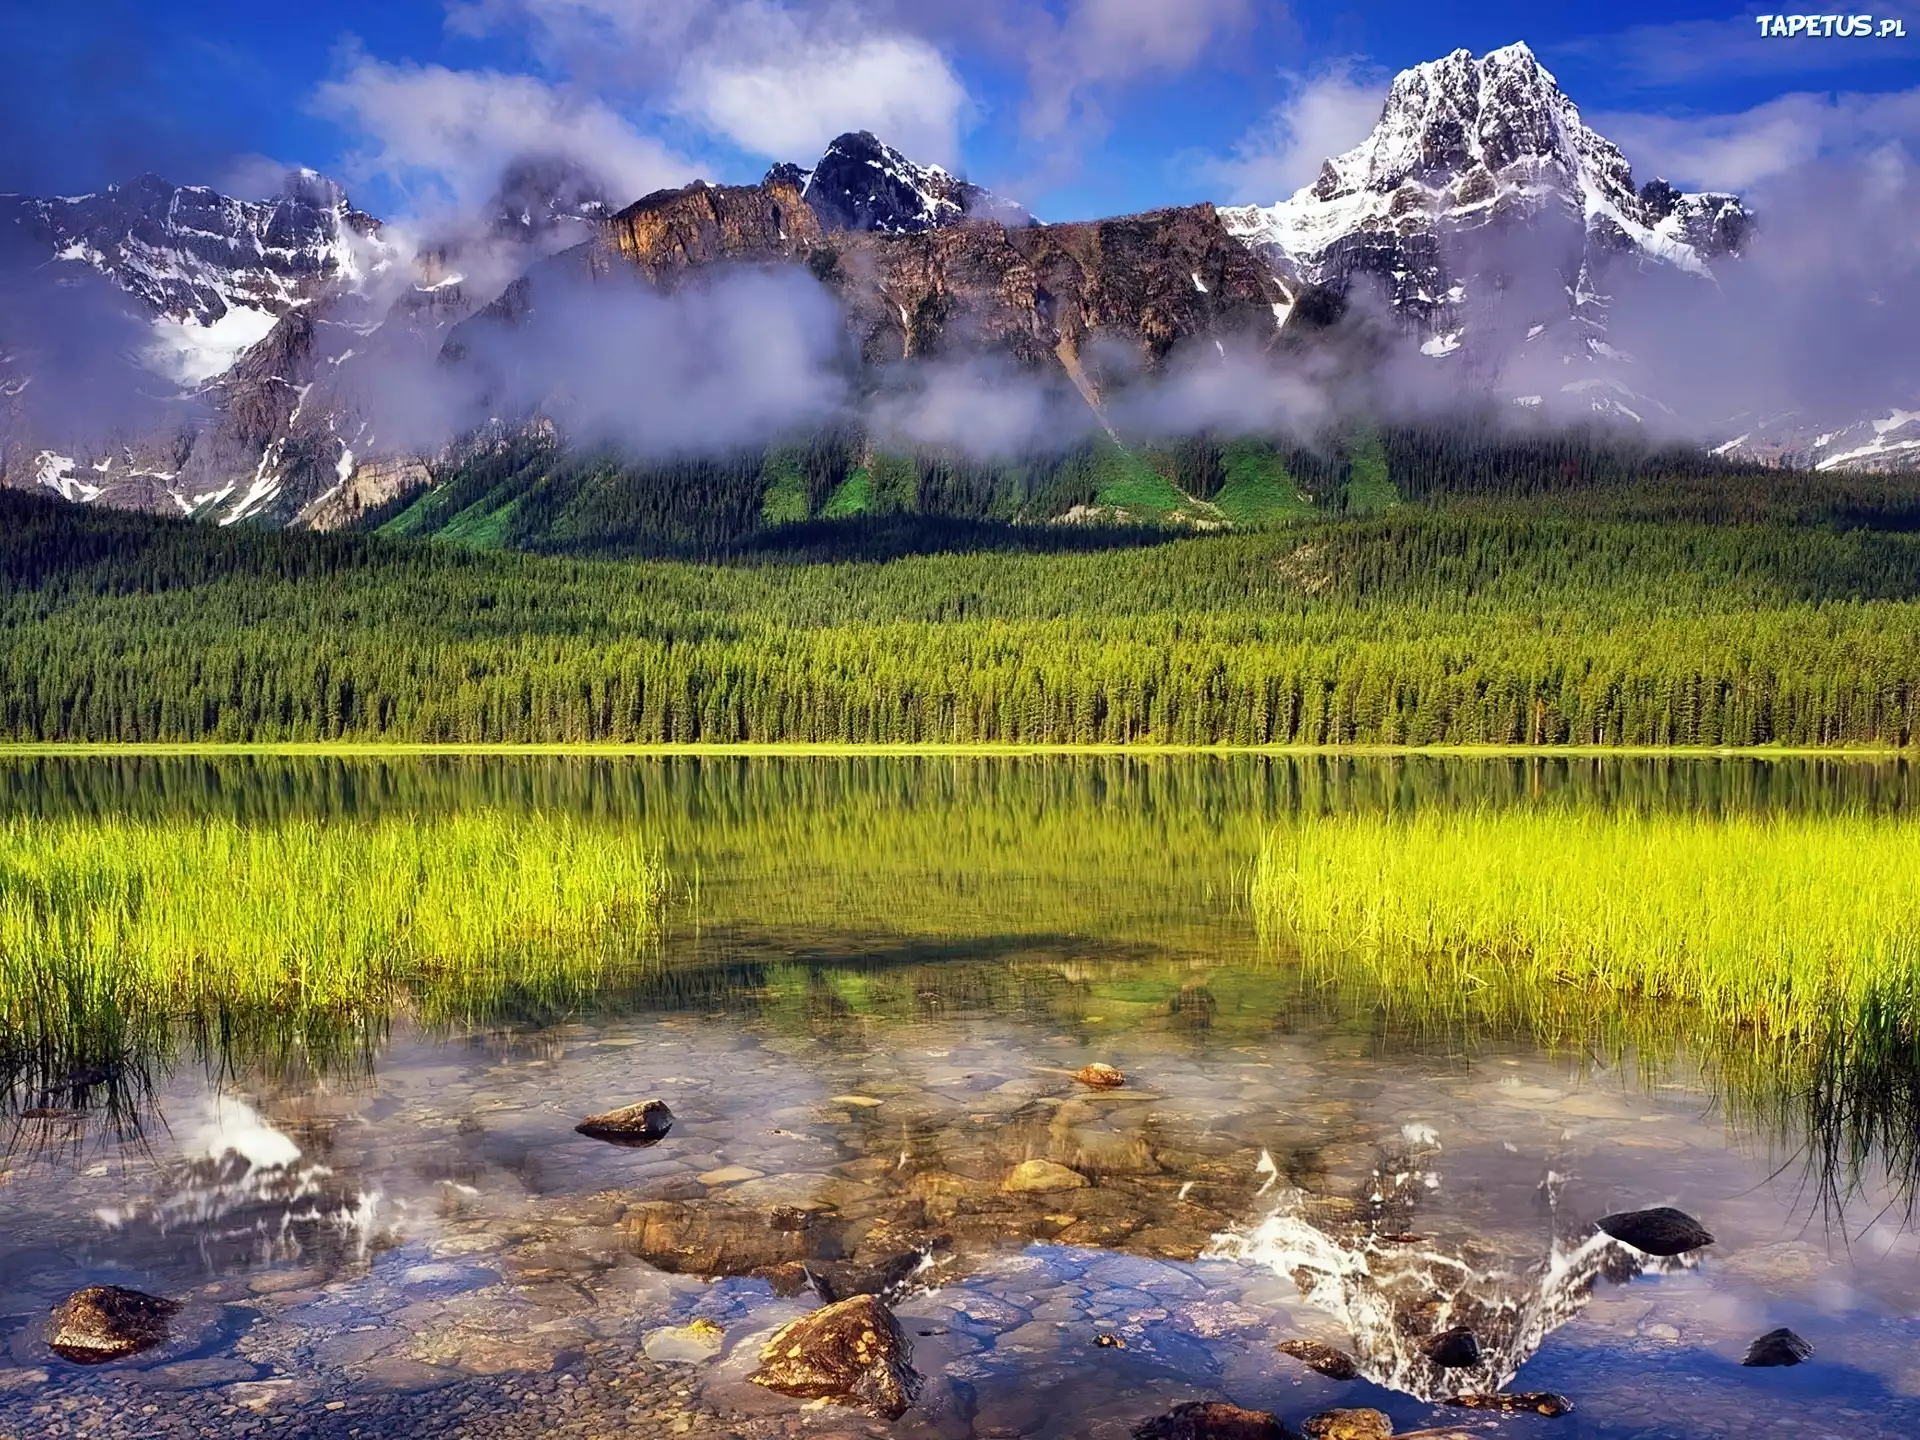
(1396, 1291)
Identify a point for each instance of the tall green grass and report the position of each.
(1774, 923)
(115, 928)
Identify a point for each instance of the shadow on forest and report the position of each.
(895, 537)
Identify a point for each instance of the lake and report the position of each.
(864, 986)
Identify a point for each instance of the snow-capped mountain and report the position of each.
(862, 184)
(212, 271)
(1496, 224)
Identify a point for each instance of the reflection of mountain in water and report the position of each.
(248, 1196)
(1394, 1290)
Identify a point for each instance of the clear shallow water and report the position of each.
(874, 991)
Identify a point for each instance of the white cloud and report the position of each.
(782, 84)
(1733, 152)
(446, 135)
(777, 78)
(1100, 43)
(1325, 114)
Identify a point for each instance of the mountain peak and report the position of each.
(862, 183)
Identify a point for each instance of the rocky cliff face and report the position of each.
(1032, 294)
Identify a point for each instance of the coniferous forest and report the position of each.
(1417, 588)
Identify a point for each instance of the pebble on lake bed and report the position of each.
(106, 1322)
(1332, 1363)
(1039, 1177)
(1778, 1347)
(646, 1123)
(1349, 1425)
(1212, 1420)
(1540, 1402)
(1100, 1076)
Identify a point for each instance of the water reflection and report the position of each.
(874, 991)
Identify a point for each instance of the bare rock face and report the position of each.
(1659, 1231)
(367, 487)
(107, 1322)
(646, 1123)
(1212, 1420)
(850, 1353)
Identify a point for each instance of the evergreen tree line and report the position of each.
(1496, 625)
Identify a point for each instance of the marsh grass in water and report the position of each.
(1778, 923)
(114, 931)
(1779, 954)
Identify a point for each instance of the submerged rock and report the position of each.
(699, 1339)
(1540, 1402)
(1349, 1425)
(1100, 1076)
(851, 1353)
(889, 1277)
(1659, 1231)
(1778, 1347)
(1212, 1420)
(1455, 1349)
(635, 1125)
(1332, 1363)
(1032, 1177)
(106, 1322)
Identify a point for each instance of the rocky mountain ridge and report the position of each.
(258, 341)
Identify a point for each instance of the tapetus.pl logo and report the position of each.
(1831, 27)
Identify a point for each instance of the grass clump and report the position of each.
(1783, 924)
(109, 926)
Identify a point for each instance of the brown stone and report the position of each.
(1332, 1363)
(850, 1353)
(1212, 1420)
(1662, 1230)
(1100, 1076)
(1041, 1177)
(1349, 1425)
(106, 1322)
(1540, 1402)
(638, 1126)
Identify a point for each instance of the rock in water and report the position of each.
(1332, 1363)
(1042, 1177)
(1100, 1076)
(1778, 1347)
(852, 1353)
(1212, 1420)
(1659, 1231)
(636, 1125)
(1455, 1349)
(1349, 1425)
(1541, 1402)
(105, 1322)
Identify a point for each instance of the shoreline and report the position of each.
(377, 749)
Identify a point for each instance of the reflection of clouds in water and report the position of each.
(248, 1195)
(1393, 1291)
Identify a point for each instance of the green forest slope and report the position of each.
(1571, 607)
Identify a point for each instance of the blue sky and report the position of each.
(1077, 107)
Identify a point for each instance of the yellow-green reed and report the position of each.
(121, 922)
(1781, 925)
